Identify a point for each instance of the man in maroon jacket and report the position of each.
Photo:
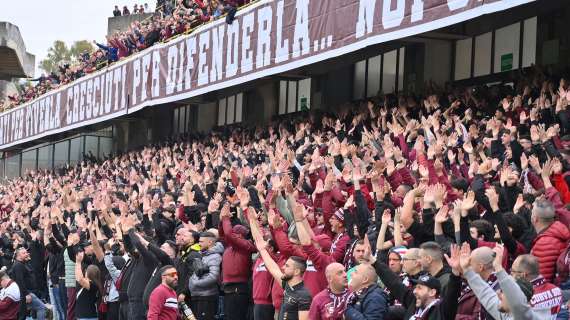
(330, 303)
(236, 265)
(9, 297)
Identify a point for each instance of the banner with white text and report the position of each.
(267, 38)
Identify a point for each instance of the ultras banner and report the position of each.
(269, 37)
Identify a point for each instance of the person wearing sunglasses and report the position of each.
(162, 303)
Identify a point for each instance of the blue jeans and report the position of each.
(58, 304)
(38, 306)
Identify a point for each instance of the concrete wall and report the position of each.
(15, 62)
(7, 88)
(122, 23)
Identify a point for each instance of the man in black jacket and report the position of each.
(24, 276)
(185, 240)
(425, 301)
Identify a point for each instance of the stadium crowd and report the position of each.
(170, 19)
(452, 205)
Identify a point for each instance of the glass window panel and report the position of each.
(76, 151)
(304, 102)
(292, 97)
(105, 147)
(239, 107)
(29, 159)
(389, 72)
(231, 109)
(529, 42)
(401, 64)
(483, 44)
(507, 41)
(61, 154)
(91, 144)
(282, 97)
(359, 79)
(463, 59)
(13, 166)
(222, 112)
(373, 85)
(45, 157)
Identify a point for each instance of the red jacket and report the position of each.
(560, 184)
(236, 261)
(548, 245)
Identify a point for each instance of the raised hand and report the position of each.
(440, 193)
(499, 250)
(465, 256)
(493, 197)
(454, 261)
(243, 196)
(442, 215)
(519, 203)
(546, 169)
(386, 217)
(468, 203)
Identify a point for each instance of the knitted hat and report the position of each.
(239, 229)
(339, 214)
(401, 251)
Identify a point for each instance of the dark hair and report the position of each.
(207, 234)
(484, 228)
(164, 268)
(434, 249)
(300, 262)
(517, 224)
(460, 183)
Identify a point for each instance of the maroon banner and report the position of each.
(266, 38)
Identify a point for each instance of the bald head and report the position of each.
(332, 269)
(483, 255)
(336, 277)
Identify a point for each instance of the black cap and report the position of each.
(429, 282)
